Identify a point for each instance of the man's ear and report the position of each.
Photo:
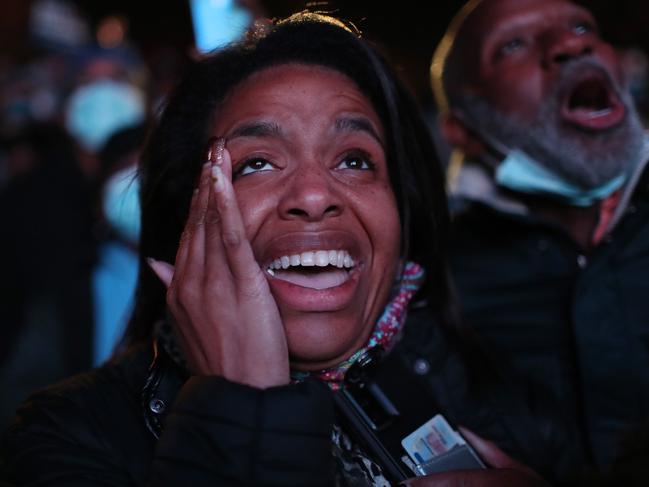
(460, 136)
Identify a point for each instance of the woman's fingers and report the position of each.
(227, 320)
(216, 265)
(489, 452)
(163, 270)
(494, 456)
(192, 239)
(226, 234)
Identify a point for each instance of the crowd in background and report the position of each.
(73, 116)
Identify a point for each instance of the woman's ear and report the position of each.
(459, 136)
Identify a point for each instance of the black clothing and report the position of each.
(48, 251)
(101, 428)
(573, 325)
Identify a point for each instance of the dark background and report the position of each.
(407, 29)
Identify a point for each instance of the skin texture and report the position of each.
(310, 173)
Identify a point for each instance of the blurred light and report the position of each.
(56, 23)
(97, 110)
(218, 22)
(111, 32)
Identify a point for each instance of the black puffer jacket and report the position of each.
(572, 324)
(131, 424)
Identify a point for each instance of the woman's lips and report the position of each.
(592, 104)
(313, 271)
(320, 279)
(330, 289)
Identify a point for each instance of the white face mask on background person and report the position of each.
(121, 204)
(578, 163)
(97, 110)
(519, 172)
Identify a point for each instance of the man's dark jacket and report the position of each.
(572, 324)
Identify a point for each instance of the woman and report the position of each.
(296, 259)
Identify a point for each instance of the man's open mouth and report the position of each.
(592, 103)
(316, 269)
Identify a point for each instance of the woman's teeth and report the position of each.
(318, 258)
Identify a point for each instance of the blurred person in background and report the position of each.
(635, 64)
(47, 249)
(108, 95)
(48, 307)
(550, 237)
(117, 231)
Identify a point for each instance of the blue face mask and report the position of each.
(97, 110)
(121, 204)
(521, 173)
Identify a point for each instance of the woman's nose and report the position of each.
(310, 196)
(565, 45)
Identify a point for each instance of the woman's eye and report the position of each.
(359, 162)
(253, 166)
(510, 46)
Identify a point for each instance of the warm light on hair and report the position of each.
(318, 17)
(438, 64)
(437, 68)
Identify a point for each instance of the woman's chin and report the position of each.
(320, 342)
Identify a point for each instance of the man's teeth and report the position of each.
(599, 113)
(318, 258)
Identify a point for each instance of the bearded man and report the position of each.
(551, 198)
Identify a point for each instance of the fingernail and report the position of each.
(220, 145)
(161, 269)
(209, 157)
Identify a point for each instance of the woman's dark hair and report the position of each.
(176, 148)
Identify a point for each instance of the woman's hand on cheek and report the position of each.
(225, 316)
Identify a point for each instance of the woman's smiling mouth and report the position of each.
(314, 271)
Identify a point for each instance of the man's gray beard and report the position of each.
(583, 158)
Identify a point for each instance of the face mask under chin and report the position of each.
(540, 159)
(521, 173)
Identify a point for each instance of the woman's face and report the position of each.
(311, 179)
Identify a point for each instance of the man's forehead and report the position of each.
(492, 15)
(486, 24)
